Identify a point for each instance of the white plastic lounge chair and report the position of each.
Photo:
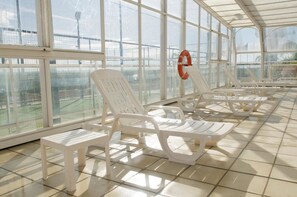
(239, 105)
(132, 118)
(253, 86)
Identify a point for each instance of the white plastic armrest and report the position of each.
(140, 117)
(167, 108)
(215, 94)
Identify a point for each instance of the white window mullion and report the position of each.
(163, 61)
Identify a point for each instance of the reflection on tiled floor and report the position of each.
(258, 158)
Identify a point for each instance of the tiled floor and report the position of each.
(259, 158)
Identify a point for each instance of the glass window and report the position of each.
(224, 29)
(18, 22)
(204, 46)
(152, 3)
(281, 38)
(20, 96)
(174, 7)
(73, 96)
(205, 18)
(247, 39)
(173, 50)
(151, 55)
(248, 57)
(225, 48)
(215, 24)
(214, 46)
(192, 10)
(77, 27)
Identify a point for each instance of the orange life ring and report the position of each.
(183, 75)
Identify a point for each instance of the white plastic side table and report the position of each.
(68, 143)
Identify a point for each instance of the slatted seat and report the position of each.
(132, 118)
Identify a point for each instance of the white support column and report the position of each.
(262, 48)
(163, 55)
(183, 42)
(140, 62)
(102, 23)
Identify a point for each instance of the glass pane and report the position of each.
(224, 29)
(174, 7)
(192, 10)
(204, 46)
(213, 75)
(281, 38)
(248, 58)
(173, 50)
(74, 98)
(20, 97)
(205, 18)
(247, 39)
(18, 22)
(151, 56)
(225, 48)
(121, 34)
(76, 24)
(215, 24)
(152, 3)
(214, 45)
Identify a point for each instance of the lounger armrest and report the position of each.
(167, 108)
(215, 94)
(140, 117)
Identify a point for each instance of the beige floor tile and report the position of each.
(93, 186)
(33, 189)
(127, 191)
(269, 133)
(168, 167)
(276, 188)
(286, 160)
(289, 142)
(204, 174)
(267, 140)
(244, 182)
(57, 180)
(232, 143)
(34, 172)
(10, 181)
(93, 166)
(20, 163)
(288, 150)
(226, 192)
(139, 160)
(260, 156)
(150, 180)
(284, 173)
(264, 147)
(216, 161)
(6, 156)
(184, 187)
(247, 131)
(252, 167)
(239, 136)
(289, 135)
(224, 151)
(30, 149)
(121, 172)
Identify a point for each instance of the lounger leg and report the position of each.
(179, 157)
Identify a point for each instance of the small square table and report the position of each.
(69, 142)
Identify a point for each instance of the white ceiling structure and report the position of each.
(259, 13)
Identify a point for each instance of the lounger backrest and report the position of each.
(117, 92)
(198, 79)
(230, 76)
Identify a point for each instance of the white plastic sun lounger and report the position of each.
(263, 88)
(239, 105)
(132, 118)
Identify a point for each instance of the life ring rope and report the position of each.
(184, 75)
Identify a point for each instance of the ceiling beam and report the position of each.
(248, 13)
(212, 12)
